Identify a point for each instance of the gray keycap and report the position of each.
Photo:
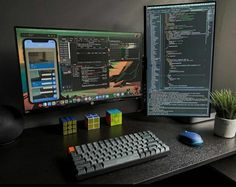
(107, 143)
(118, 155)
(129, 148)
(142, 154)
(90, 147)
(95, 144)
(78, 149)
(86, 164)
(98, 166)
(89, 169)
(80, 162)
(145, 149)
(153, 152)
(147, 153)
(162, 149)
(157, 150)
(153, 144)
(166, 147)
(81, 172)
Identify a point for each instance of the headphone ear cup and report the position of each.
(11, 124)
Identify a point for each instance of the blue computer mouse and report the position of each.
(190, 138)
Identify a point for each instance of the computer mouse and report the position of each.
(190, 138)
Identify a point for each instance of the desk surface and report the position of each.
(39, 155)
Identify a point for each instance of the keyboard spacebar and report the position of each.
(121, 160)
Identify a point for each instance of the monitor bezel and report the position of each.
(82, 104)
(145, 57)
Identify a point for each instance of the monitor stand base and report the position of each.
(192, 120)
(141, 116)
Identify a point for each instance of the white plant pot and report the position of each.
(225, 127)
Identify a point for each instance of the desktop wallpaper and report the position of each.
(124, 74)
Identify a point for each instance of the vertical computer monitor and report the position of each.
(64, 67)
(179, 53)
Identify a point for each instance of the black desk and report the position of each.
(39, 155)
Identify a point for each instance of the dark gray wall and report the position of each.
(115, 15)
(225, 46)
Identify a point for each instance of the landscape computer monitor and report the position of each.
(179, 53)
(63, 67)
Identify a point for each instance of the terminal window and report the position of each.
(67, 67)
(179, 42)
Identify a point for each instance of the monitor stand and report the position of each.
(192, 120)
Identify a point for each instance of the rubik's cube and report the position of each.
(114, 117)
(69, 125)
(92, 121)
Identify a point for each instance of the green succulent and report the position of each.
(224, 102)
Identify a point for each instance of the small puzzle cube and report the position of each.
(92, 121)
(114, 117)
(69, 125)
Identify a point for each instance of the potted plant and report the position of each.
(224, 102)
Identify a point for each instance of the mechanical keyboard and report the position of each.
(111, 154)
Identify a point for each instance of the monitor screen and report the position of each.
(63, 67)
(179, 53)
